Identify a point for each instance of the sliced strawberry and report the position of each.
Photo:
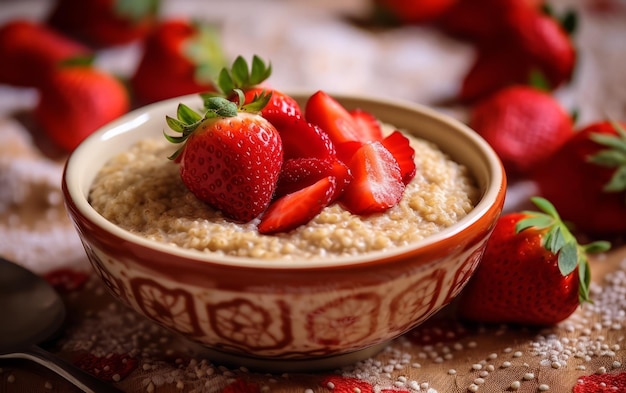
(377, 181)
(400, 147)
(368, 125)
(346, 150)
(281, 107)
(303, 139)
(298, 173)
(324, 111)
(298, 208)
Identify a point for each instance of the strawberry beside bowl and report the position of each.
(287, 314)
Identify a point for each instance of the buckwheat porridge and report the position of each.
(140, 190)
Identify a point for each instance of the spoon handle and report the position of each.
(79, 378)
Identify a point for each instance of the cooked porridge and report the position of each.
(141, 191)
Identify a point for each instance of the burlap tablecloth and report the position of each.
(413, 63)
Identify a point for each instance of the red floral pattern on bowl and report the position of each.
(288, 311)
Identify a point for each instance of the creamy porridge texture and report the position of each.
(140, 190)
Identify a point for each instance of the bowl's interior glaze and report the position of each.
(460, 142)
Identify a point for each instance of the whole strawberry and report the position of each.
(104, 23)
(533, 271)
(586, 179)
(77, 99)
(30, 51)
(528, 45)
(179, 57)
(547, 42)
(524, 125)
(231, 157)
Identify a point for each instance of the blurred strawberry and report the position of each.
(412, 11)
(179, 58)
(104, 23)
(527, 45)
(31, 50)
(481, 20)
(586, 179)
(524, 125)
(547, 43)
(497, 65)
(76, 100)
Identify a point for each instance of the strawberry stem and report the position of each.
(241, 76)
(558, 239)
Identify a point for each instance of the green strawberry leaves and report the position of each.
(614, 156)
(232, 83)
(558, 239)
(242, 76)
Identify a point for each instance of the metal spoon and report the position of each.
(33, 312)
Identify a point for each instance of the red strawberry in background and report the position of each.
(76, 100)
(31, 50)
(547, 43)
(529, 45)
(497, 65)
(586, 179)
(533, 271)
(524, 125)
(230, 159)
(104, 23)
(481, 20)
(179, 58)
(412, 11)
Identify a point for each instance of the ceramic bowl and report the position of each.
(312, 313)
